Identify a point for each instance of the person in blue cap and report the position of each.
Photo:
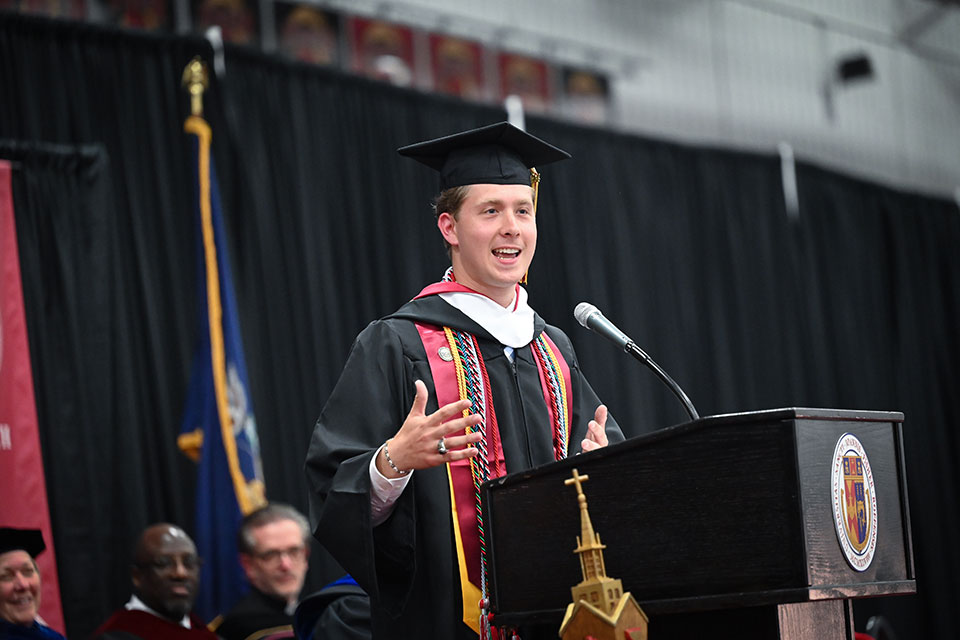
(464, 383)
(20, 585)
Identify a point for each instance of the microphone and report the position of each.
(591, 318)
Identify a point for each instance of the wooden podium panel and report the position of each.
(726, 512)
(817, 620)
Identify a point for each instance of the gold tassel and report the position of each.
(535, 183)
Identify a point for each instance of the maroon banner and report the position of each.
(528, 78)
(24, 503)
(382, 50)
(457, 66)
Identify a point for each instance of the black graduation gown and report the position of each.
(255, 612)
(408, 564)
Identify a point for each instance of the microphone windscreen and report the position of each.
(583, 311)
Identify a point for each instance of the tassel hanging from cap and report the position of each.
(535, 184)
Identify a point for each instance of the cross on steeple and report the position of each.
(577, 479)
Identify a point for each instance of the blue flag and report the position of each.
(219, 431)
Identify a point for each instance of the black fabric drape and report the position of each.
(884, 292)
(330, 227)
(105, 460)
(689, 250)
(106, 237)
(61, 205)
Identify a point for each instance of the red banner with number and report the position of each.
(24, 503)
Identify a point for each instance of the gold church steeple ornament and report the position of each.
(596, 587)
(600, 608)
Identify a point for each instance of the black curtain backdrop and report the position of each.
(690, 250)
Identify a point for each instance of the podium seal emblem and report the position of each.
(854, 502)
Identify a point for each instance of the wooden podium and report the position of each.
(720, 528)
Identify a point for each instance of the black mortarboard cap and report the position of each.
(29, 540)
(496, 154)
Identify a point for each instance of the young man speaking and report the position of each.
(463, 383)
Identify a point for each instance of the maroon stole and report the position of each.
(447, 368)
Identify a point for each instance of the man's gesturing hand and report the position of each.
(596, 433)
(415, 446)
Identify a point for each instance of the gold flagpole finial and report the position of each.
(195, 82)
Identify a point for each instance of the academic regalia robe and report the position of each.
(255, 612)
(408, 564)
(339, 611)
(35, 631)
(127, 624)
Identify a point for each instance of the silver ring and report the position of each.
(442, 447)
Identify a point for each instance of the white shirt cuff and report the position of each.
(384, 491)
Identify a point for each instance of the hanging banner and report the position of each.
(24, 504)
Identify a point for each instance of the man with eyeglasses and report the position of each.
(274, 553)
(165, 573)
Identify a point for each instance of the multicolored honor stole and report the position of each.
(459, 372)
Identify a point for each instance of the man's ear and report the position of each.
(448, 228)
(245, 562)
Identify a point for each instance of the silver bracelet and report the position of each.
(386, 454)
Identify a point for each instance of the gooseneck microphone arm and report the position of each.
(638, 353)
(591, 318)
